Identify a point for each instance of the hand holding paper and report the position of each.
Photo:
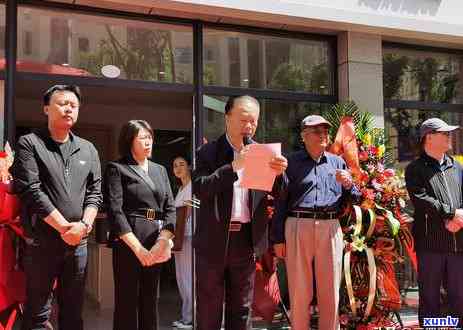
(262, 163)
(279, 164)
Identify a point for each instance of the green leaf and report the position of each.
(393, 223)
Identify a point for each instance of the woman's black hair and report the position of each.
(185, 158)
(128, 133)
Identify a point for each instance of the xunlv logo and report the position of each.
(440, 321)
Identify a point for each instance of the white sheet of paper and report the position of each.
(257, 173)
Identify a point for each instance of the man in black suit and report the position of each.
(232, 222)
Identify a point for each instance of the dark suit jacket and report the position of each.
(213, 184)
(127, 190)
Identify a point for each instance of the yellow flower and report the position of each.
(459, 158)
(367, 139)
(381, 150)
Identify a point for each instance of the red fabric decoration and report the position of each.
(266, 289)
(345, 145)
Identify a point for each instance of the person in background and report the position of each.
(58, 178)
(141, 214)
(434, 183)
(183, 253)
(306, 230)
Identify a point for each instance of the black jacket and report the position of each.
(40, 179)
(436, 192)
(127, 191)
(213, 184)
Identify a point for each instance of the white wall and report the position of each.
(431, 20)
(431, 16)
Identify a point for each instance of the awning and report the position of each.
(38, 67)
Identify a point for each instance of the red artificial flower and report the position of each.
(380, 178)
(389, 173)
(374, 150)
(364, 177)
(368, 193)
(3, 154)
(363, 156)
(344, 319)
(270, 211)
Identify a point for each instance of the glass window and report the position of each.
(426, 76)
(279, 121)
(2, 30)
(255, 61)
(68, 43)
(402, 131)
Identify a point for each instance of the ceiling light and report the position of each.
(110, 71)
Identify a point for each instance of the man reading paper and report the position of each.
(232, 223)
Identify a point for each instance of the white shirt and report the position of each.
(240, 203)
(184, 194)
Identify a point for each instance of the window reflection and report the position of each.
(2, 30)
(51, 42)
(279, 121)
(422, 76)
(255, 61)
(402, 131)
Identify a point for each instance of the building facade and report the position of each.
(174, 63)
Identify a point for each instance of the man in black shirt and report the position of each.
(434, 183)
(58, 177)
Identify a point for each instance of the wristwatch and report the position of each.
(88, 227)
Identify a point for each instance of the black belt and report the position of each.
(236, 226)
(147, 214)
(322, 215)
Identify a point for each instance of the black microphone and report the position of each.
(247, 140)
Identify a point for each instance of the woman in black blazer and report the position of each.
(141, 215)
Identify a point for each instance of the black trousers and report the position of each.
(135, 291)
(232, 282)
(45, 261)
(432, 267)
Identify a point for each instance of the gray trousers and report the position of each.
(320, 241)
(184, 279)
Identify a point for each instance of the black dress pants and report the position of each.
(135, 291)
(231, 282)
(47, 260)
(432, 267)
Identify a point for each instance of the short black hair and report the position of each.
(61, 88)
(233, 99)
(128, 133)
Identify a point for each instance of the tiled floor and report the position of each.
(169, 309)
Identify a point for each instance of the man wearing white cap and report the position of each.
(305, 226)
(434, 183)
